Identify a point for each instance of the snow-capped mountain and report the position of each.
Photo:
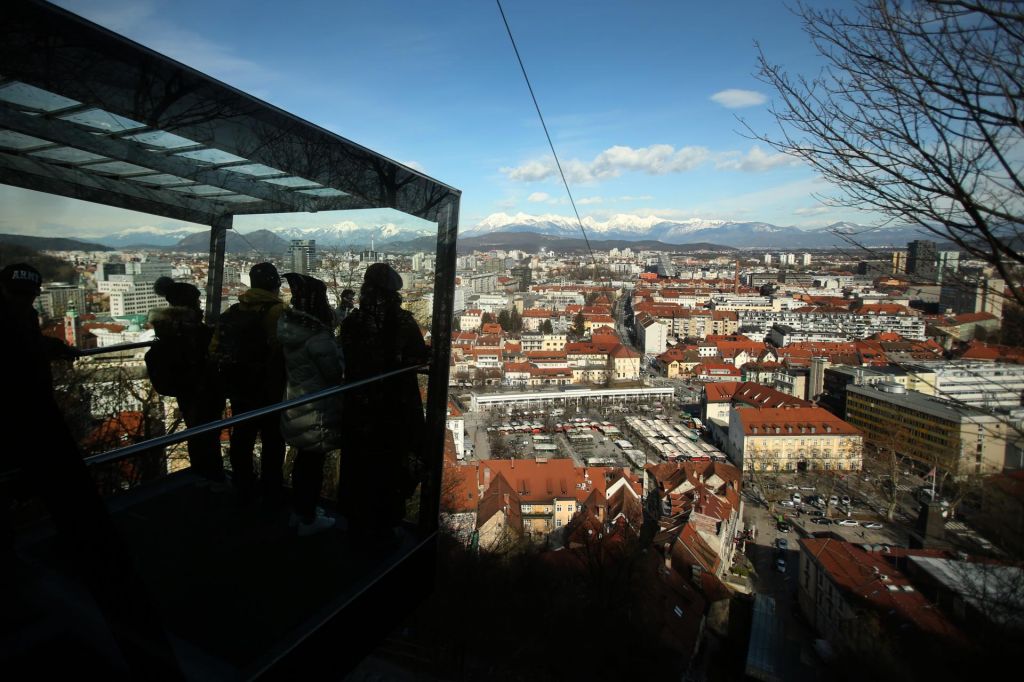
(144, 235)
(349, 234)
(693, 230)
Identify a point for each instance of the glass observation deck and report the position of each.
(203, 588)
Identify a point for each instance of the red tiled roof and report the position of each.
(764, 421)
(967, 318)
(859, 575)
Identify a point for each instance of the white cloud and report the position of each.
(414, 165)
(738, 99)
(539, 196)
(142, 21)
(642, 197)
(658, 159)
(589, 201)
(812, 210)
(755, 161)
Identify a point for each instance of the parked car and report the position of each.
(873, 525)
(783, 527)
(787, 503)
(845, 499)
(780, 565)
(791, 486)
(817, 512)
(833, 500)
(796, 497)
(847, 522)
(821, 521)
(782, 543)
(807, 487)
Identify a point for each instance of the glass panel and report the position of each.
(200, 190)
(163, 140)
(30, 96)
(102, 120)
(211, 156)
(119, 168)
(68, 155)
(254, 169)
(12, 140)
(162, 179)
(292, 181)
(324, 192)
(238, 198)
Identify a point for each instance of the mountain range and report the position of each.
(650, 232)
(758, 235)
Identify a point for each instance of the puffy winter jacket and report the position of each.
(314, 362)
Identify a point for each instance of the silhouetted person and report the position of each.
(348, 302)
(384, 424)
(314, 362)
(179, 366)
(38, 444)
(251, 366)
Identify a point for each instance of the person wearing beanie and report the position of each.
(250, 362)
(179, 366)
(314, 362)
(376, 338)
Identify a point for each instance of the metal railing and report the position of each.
(179, 436)
(113, 349)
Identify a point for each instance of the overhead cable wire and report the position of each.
(551, 144)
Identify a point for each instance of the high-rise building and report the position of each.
(922, 260)
(523, 276)
(899, 262)
(974, 295)
(107, 269)
(302, 255)
(946, 263)
(55, 299)
(805, 260)
(148, 271)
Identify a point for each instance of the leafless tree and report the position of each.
(918, 115)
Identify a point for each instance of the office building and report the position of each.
(55, 299)
(922, 260)
(932, 431)
(302, 255)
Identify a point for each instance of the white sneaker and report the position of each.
(317, 525)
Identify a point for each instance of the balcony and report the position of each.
(170, 578)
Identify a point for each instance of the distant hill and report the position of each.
(52, 269)
(260, 241)
(51, 243)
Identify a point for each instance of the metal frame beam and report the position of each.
(22, 171)
(215, 271)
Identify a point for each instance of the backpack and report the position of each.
(176, 362)
(168, 368)
(243, 349)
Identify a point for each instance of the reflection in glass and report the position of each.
(102, 120)
(27, 95)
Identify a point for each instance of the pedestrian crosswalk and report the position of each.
(904, 487)
(957, 526)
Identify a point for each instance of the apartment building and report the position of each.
(938, 433)
(827, 320)
(792, 439)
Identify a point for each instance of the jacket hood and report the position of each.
(258, 296)
(294, 327)
(174, 314)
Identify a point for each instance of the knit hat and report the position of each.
(264, 276)
(383, 276)
(21, 278)
(177, 293)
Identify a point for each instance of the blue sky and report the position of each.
(641, 98)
